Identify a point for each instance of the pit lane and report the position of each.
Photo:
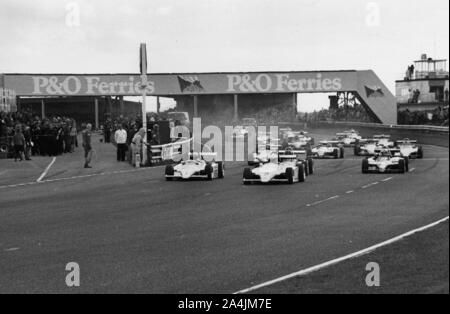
(135, 232)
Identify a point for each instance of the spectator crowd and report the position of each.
(27, 135)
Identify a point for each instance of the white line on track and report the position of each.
(387, 179)
(343, 258)
(412, 170)
(46, 170)
(349, 192)
(323, 201)
(77, 177)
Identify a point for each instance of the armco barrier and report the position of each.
(431, 135)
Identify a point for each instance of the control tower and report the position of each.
(425, 85)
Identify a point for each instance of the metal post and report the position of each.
(96, 114)
(195, 106)
(121, 105)
(236, 108)
(43, 109)
(158, 105)
(144, 126)
(294, 107)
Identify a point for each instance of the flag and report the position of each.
(190, 84)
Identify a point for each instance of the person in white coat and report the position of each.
(120, 138)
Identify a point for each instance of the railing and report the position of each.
(167, 152)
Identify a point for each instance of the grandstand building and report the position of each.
(425, 86)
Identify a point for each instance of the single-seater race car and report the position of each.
(384, 141)
(289, 170)
(297, 141)
(366, 147)
(196, 168)
(328, 149)
(385, 160)
(348, 138)
(409, 148)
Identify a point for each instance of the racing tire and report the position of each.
(301, 173)
(342, 152)
(310, 166)
(336, 153)
(290, 174)
(420, 153)
(407, 164)
(169, 172)
(357, 150)
(247, 175)
(365, 166)
(221, 170)
(209, 171)
(402, 166)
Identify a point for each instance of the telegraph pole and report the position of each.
(144, 82)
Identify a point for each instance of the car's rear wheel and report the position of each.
(310, 166)
(247, 175)
(420, 153)
(402, 166)
(336, 153)
(169, 172)
(290, 174)
(209, 171)
(301, 173)
(342, 151)
(221, 170)
(365, 166)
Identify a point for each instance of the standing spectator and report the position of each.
(28, 142)
(87, 145)
(136, 145)
(18, 143)
(73, 137)
(121, 139)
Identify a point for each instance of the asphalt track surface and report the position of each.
(133, 232)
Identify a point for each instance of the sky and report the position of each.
(103, 36)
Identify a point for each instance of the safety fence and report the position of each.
(161, 154)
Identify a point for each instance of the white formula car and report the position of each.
(328, 149)
(348, 138)
(366, 147)
(384, 141)
(409, 148)
(195, 168)
(386, 160)
(289, 170)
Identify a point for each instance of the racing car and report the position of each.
(385, 160)
(289, 170)
(409, 148)
(384, 141)
(297, 142)
(195, 168)
(328, 149)
(366, 147)
(348, 138)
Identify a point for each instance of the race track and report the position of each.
(133, 232)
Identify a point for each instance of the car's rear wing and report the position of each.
(381, 136)
(406, 141)
(329, 142)
(394, 151)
